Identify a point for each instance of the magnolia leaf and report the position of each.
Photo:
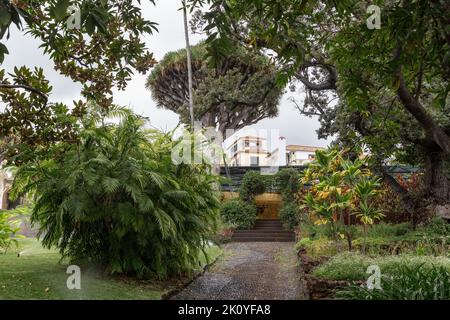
(60, 9)
(90, 25)
(5, 18)
(3, 51)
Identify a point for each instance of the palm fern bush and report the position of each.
(117, 199)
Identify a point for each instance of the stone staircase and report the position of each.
(265, 230)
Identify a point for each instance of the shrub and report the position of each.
(386, 238)
(252, 185)
(314, 231)
(239, 213)
(9, 226)
(388, 230)
(117, 199)
(392, 206)
(318, 248)
(407, 283)
(224, 232)
(341, 187)
(303, 243)
(438, 226)
(345, 266)
(353, 266)
(289, 215)
(288, 183)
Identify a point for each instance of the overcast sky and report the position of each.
(24, 51)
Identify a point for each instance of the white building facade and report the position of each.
(255, 149)
(297, 155)
(5, 185)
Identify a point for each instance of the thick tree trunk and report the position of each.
(208, 120)
(404, 195)
(437, 181)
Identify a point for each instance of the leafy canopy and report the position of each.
(102, 55)
(238, 92)
(383, 89)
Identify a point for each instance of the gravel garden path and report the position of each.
(250, 271)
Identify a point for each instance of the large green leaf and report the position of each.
(5, 18)
(3, 51)
(60, 9)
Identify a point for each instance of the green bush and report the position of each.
(388, 230)
(309, 229)
(303, 243)
(353, 266)
(239, 213)
(9, 226)
(253, 184)
(289, 215)
(117, 199)
(438, 226)
(406, 283)
(317, 248)
(288, 183)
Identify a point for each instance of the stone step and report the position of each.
(264, 236)
(263, 232)
(273, 225)
(268, 221)
(262, 239)
(278, 236)
(270, 224)
(268, 227)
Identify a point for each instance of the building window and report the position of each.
(254, 161)
(311, 156)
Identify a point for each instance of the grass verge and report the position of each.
(38, 274)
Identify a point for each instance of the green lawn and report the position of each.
(37, 274)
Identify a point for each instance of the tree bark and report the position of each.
(437, 182)
(415, 108)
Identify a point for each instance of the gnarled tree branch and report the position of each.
(328, 84)
(25, 87)
(415, 108)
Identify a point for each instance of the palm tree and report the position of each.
(189, 64)
(365, 190)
